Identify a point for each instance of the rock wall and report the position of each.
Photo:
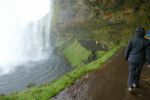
(69, 12)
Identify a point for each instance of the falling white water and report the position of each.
(23, 36)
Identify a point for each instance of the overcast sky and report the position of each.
(25, 10)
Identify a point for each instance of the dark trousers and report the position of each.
(134, 74)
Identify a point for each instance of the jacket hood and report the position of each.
(140, 32)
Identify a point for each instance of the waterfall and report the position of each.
(24, 32)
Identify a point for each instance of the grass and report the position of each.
(100, 53)
(45, 92)
(76, 54)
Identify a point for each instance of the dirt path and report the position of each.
(108, 83)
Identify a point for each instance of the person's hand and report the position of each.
(148, 66)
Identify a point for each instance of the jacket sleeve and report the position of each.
(127, 51)
(148, 54)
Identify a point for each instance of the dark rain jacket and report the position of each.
(138, 50)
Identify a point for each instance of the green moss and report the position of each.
(49, 90)
(100, 53)
(76, 54)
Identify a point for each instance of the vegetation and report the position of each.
(76, 54)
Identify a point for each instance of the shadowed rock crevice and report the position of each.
(93, 46)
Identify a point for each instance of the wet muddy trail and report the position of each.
(108, 83)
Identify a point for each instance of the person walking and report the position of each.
(137, 54)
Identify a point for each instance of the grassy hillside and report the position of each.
(76, 54)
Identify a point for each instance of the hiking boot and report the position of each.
(130, 90)
(134, 85)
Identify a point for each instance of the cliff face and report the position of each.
(101, 19)
(71, 11)
(78, 11)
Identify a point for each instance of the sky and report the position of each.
(23, 10)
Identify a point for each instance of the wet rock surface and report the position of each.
(93, 45)
(108, 83)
